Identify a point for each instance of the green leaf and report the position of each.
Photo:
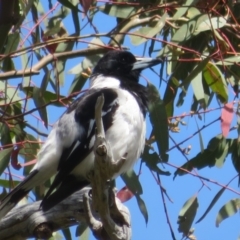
(227, 210)
(195, 72)
(8, 65)
(88, 62)
(76, 21)
(198, 87)
(235, 150)
(45, 80)
(11, 46)
(182, 10)
(215, 199)
(142, 207)
(148, 32)
(25, 61)
(192, 12)
(11, 94)
(53, 28)
(77, 83)
(219, 146)
(229, 61)
(29, 152)
(59, 72)
(6, 183)
(4, 29)
(53, 25)
(210, 24)
(132, 181)
(12, 42)
(5, 155)
(200, 138)
(187, 215)
(215, 155)
(216, 81)
(169, 96)
(152, 160)
(159, 121)
(67, 234)
(64, 46)
(119, 11)
(222, 152)
(201, 160)
(187, 30)
(68, 4)
(40, 104)
(56, 236)
(48, 97)
(82, 230)
(5, 134)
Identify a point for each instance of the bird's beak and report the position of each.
(142, 63)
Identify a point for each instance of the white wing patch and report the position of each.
(65, 131)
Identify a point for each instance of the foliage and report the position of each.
(199, 44)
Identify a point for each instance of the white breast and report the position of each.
(127, 134)
(129, 122)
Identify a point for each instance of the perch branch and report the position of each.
(29, 221)
(109, 226)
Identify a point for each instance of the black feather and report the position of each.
(84, 108)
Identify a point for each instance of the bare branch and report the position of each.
(27, 221)
(35, 70)
(114, 223)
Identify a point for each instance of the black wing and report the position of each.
(84, 110)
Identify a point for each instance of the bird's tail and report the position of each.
(19, 192)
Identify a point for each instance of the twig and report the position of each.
(165, 209)
(199, 130)
(36, 130)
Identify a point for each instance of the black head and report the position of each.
(122, 65)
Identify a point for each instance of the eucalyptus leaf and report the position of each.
(5, 155)
(187, 215)
(132, 181)
(120, 11)
(212, 203)
(40, 104)
(143, 208)
(210, 24)
(149, 31)
(159, 120)
(216, 81)
(227, 210)
(198, 87)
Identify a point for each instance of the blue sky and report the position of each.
(180, 189)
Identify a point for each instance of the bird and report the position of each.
(68, 153)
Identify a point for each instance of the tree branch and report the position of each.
(35, 70)
(114, 223)
(29, 221)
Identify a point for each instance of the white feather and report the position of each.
(101, 81)
(126, 135)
